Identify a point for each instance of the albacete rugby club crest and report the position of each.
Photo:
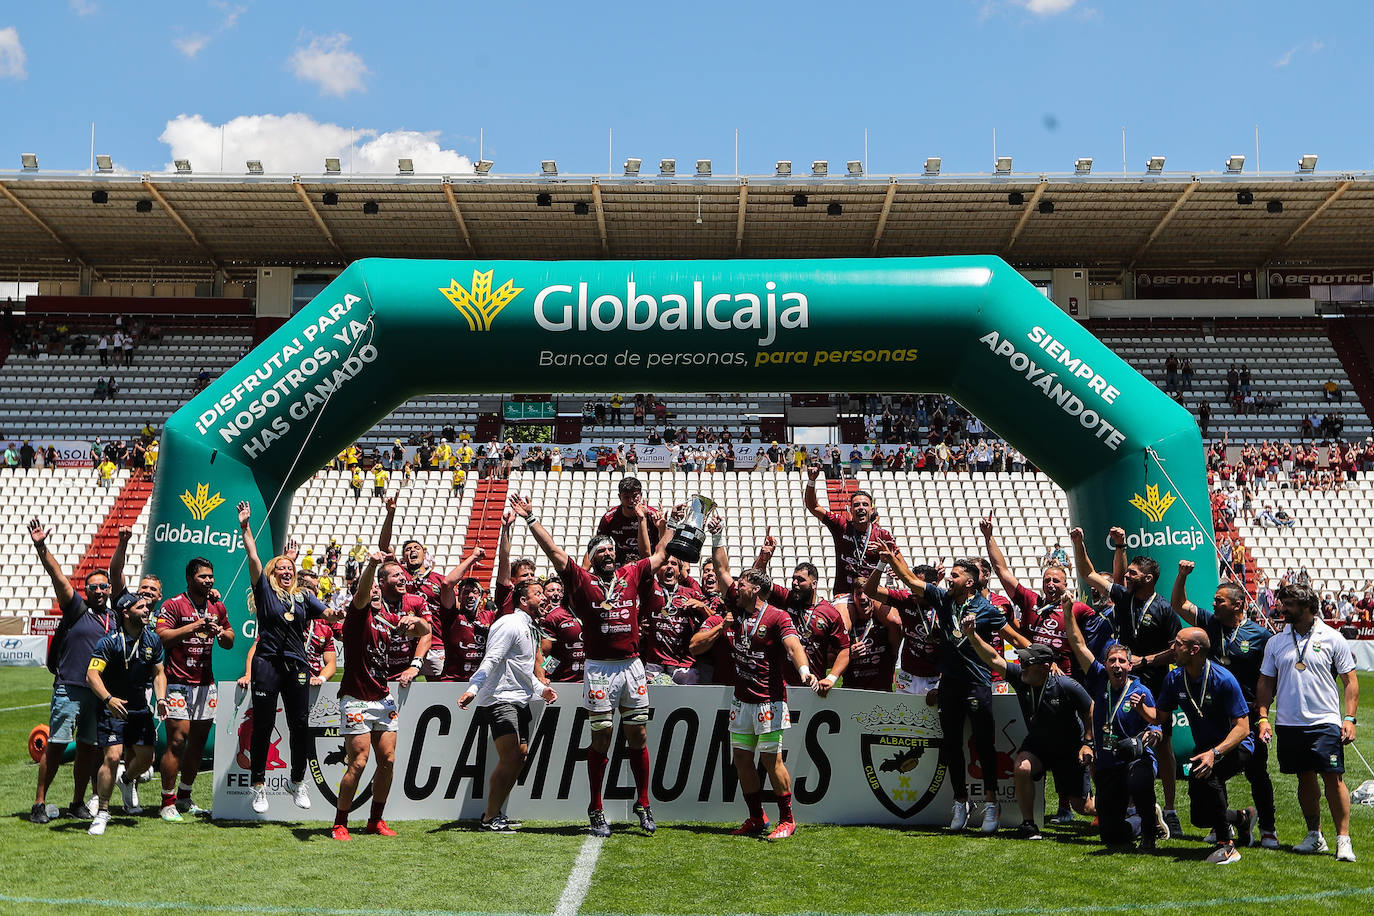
(480, 305)
(900, 749)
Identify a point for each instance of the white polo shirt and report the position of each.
(507, 671)
(1312, 696)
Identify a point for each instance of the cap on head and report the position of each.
(1036, 654)
(127, 600)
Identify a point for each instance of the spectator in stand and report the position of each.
(105, 472)
(380, 477)
(1171, 373)
(128, 349)
(102, 346)
(356, 482)
(1333, 390)
(112, 388)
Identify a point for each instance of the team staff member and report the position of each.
(965, 692)
(763, 641)
(190, 625)
(1302, 664)
(1058, 716)
(858, 539)
(606, 600)
(565, 657)
(280, 665)
(1211, 698)
(621, 524)
(918, 671)
(380, 613)
(1124, 737)
(124, 664)
(510, 676)
(1145, 623)
(1238, 644)
(73, 713)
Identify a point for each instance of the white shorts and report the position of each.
(434, 664)
(359, 717)
(758, 718)
(607, 686)
(915, 684)
(194, 703)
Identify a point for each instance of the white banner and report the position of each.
(856, 757)
(23, 650)
(71, 453)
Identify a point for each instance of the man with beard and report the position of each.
(858, 539)
(380, 618)
(461, 621)
(124, 665)
(1238, 645)
(621, 524)
(823, 630)
(918, 673)
(763, 641)
(875, 635)
(1316, 719)
(965, 692)
(74, 711)
(1145, 623)
(711, 643)
(670, 613)
(421, 578)
(1211, 698)
(565, 658)
(1042, 618)
(606, 600)
(190, 626)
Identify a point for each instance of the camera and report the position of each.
(1126, 749)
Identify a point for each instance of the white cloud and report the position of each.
(327, 62)
(297, 143)
(191, 45)
(84, 7)
(1306, 47)
(231, 13)
(1048, 7)
(12, 57)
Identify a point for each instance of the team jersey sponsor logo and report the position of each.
(900, 751)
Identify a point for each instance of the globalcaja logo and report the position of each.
(202, 504)
(1153, 505)
(480, 305)
(900, 750)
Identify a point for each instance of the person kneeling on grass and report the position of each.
(123, 666)
(510, 675)
(1058, 716)
(378, 613)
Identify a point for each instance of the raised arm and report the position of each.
(388, 524)
(362, 593)
(557, 556)
(61, 585)
(1179, 597)
(250, 547)
(813, 505)
(503, 547)
(121, 553)
(1010, 583)
(660, 554)
(990, 658)
(902, 571)
(447, 596)
(1118, 538)
(766, 550)
(872, 585)
(1077, 645)
(1085, 566)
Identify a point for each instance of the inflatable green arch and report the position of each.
(388, 330)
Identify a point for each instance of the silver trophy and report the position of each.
(689, 532)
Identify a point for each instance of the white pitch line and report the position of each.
(580, 881)
(17, 708)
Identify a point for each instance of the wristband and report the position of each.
(804, 670)
(108, 698)
(1218, 753)
(531, 520)
(880, 569)
(417, 663)
(1350, 719)
(1262, 719)
(717, 538)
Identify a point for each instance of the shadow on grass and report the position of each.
(469, 825)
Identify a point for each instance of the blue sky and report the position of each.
(290, 83)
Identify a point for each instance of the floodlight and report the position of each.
(784, 168)
(632, 167)
(254, 166)
(405, 166)
(855, 168)
(483, 166)
(105, 164)
(933, 166)
(183, 166)
(30, 161)
(820, 168)
(1083, 166)
(667, 167)
(1307, 163)
(1234, 164)
(1003, 165)
(703, 168)
(332, 165)
(549, 168)
(1154, 165)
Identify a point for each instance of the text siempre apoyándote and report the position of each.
(313, 373)
(1047, 380)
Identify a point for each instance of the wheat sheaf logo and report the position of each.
(1153, 505)
(202, 504)
(480, 305)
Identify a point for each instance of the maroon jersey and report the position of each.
(318, 639)
(920, 634)
(609, 613)
(761, 656)
(567, 658)
(1044, 623)
(625, 532)
(721, 655)
(872, 657)
(401, 649)
(427, 585)
(856, 554)
(368, 638)
(188, 662)
(669, 623)
(821, 630)
(503, 596)
(465, 640)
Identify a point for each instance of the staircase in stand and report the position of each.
(484, 525)
(840, 492)
(1353, 341)
(133, 496)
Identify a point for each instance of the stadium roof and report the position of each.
(50, 225)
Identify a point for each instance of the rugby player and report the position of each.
(606, 600)
(875, 635)
(380, 617)
(565, 658)
(670, 613)
(421, 578)
(461, 621)
(190, 625)
(621, 525)
(858, 539)
(123, 665)
(918, 671)
(508, 573)
(1238, 644)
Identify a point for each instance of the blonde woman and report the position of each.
(281, 667)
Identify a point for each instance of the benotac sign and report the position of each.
(388, 330)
